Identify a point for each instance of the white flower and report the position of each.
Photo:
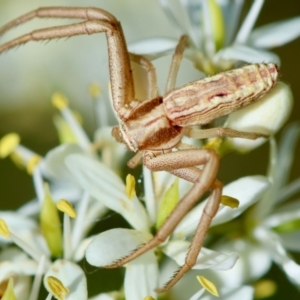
(270, 228)
(111, 245)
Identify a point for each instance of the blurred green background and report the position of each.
(30, 74)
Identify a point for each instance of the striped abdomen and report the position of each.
(202, 101)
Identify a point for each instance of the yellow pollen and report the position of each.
(67, 208)
(4, 231)
(9, 291)
(213, 144)
(130, 186)
(264, 288)
(32, 163)
(148, 298)
(8, 144)
(230, 201)
(57, 288)
(94, 90)
(208, 285)
(59, 101)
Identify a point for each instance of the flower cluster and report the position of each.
(79, 181)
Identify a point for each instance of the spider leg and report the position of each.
(176, 61)
(221, 132)
(181, 163)
(98, 20)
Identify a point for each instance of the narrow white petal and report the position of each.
(273, 244)
(283, 215)
(207, 258)
(103, 296)
(246, 54)
(15, 261)
(18, 223)
(291, 240)
(275, 34)
(155, 47)
(53, 164)
(111, 245)
(71, 276)
(252, 257)
(197, 296)
(141, 277)
(247, 190)
(244, 292)
(246, 28)
(103, 184)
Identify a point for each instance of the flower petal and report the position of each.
(141, 277)
(267, 116)
(15, 261)
(275, 34)
(111, 245)
(71, 276)
(246, 54)
(273, 244)
(17, 223)
(153, 47)
(102, 183)
(247, 190)
(207, 258)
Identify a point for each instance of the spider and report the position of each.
(153, 128)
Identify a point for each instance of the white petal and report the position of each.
(275, 34)
(244, 292)
(103, 184)
(103, 296)
(155, 47)
(267, 116)
(253, 258)
(247, 190)
(283, 215)
(15, 261)
(141, 277)
(71, 276)
(53, 164)
(273, 244)
(197, 296)
(291, 240)
(111, 245)
(18, 223)
(22, 287)
(246, 54)
(207, 258)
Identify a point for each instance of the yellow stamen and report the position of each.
(94, 90)
(57, 288)
(17, 159)
(4, 231)
(230, 201)
(59, 101)
(8, 144)
(208, 285)
(264, 288)
(167, 203)
(218, 26)
(67, 208)
(148, 298)
(130, 186)
(213, 144)
(9, 292)
(50, 224)
(32, 163)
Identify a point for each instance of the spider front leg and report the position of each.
(96, 20)
(182, 164)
